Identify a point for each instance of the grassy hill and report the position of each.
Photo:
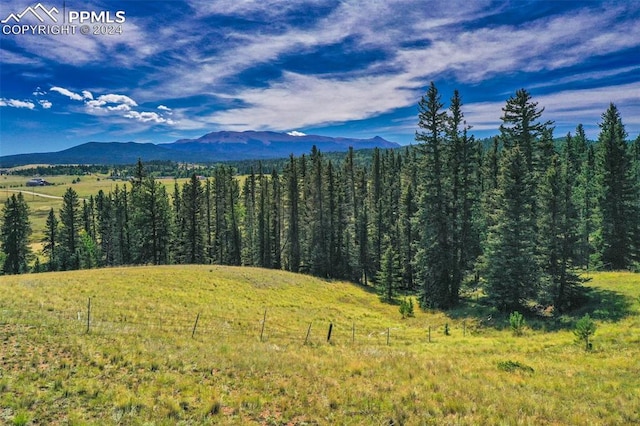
(144, 362)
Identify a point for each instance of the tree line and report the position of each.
(520, 218)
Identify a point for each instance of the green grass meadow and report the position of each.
(145, 361)
(88, 185)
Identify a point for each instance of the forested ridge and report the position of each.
(520, 217)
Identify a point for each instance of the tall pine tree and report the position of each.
(14, 235)
(616, 197)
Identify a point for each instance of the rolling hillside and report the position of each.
(182, 344)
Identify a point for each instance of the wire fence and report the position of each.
(264, 326)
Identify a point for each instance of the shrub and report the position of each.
(585, 328)
(406, 308)
(511, 366)
(20, 419)
(517, 323)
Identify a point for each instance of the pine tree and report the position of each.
(351, 202)
(234, 250)
(616, 198)
(434, 257)
(362, 226)
(14, 235)
(586, 201)
(191, 211)
(293, 222)
(178, 226)
(105, 228)
(375, 210)
(209, 230)
(275, 221)
(465, 243)
(50, 241)
(558, 235)
(122, 237)
(634, 149)
(70, 225)
(511, 269)
(389, 277)
(249, 236)
(317, 244)
(150, 222)
(520, 126)
(263, 228)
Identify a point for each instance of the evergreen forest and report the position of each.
(521, 218)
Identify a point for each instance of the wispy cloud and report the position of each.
(267, 64)
(15, 103)
(471, 54)
(67, 93)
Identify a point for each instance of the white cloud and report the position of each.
(164, 108)
(147, 117)
(110, 102)
(87, 94)
(39, 92)
(45, 104)
(445, 47)
(296, 133)
(117, 99)
(68, 93)
(286, 105)
(15, 103)
(120, 107)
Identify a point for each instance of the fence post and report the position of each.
(307, 336)
(193, 333)
(429, 334)
(264, 320)
(329, 334)
(88, 315)
(464, 328)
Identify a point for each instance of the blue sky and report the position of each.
(183, 68)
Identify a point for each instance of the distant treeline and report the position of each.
(518, 217)
(161, 168)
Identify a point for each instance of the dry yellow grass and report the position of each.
(140, 365)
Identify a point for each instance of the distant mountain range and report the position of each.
(212, 147)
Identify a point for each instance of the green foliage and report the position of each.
(517, 323)
(20, 419)
(512, 366)
(585, 328)
(524, 212)
(389, 278)
(616, 191)
(70, 225)
(511, 269)
(406, 308)
(14, 235)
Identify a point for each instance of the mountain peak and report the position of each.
(209, 148)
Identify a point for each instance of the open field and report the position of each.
(41, 199)
(142, 362)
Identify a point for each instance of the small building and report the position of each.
(37, 182)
